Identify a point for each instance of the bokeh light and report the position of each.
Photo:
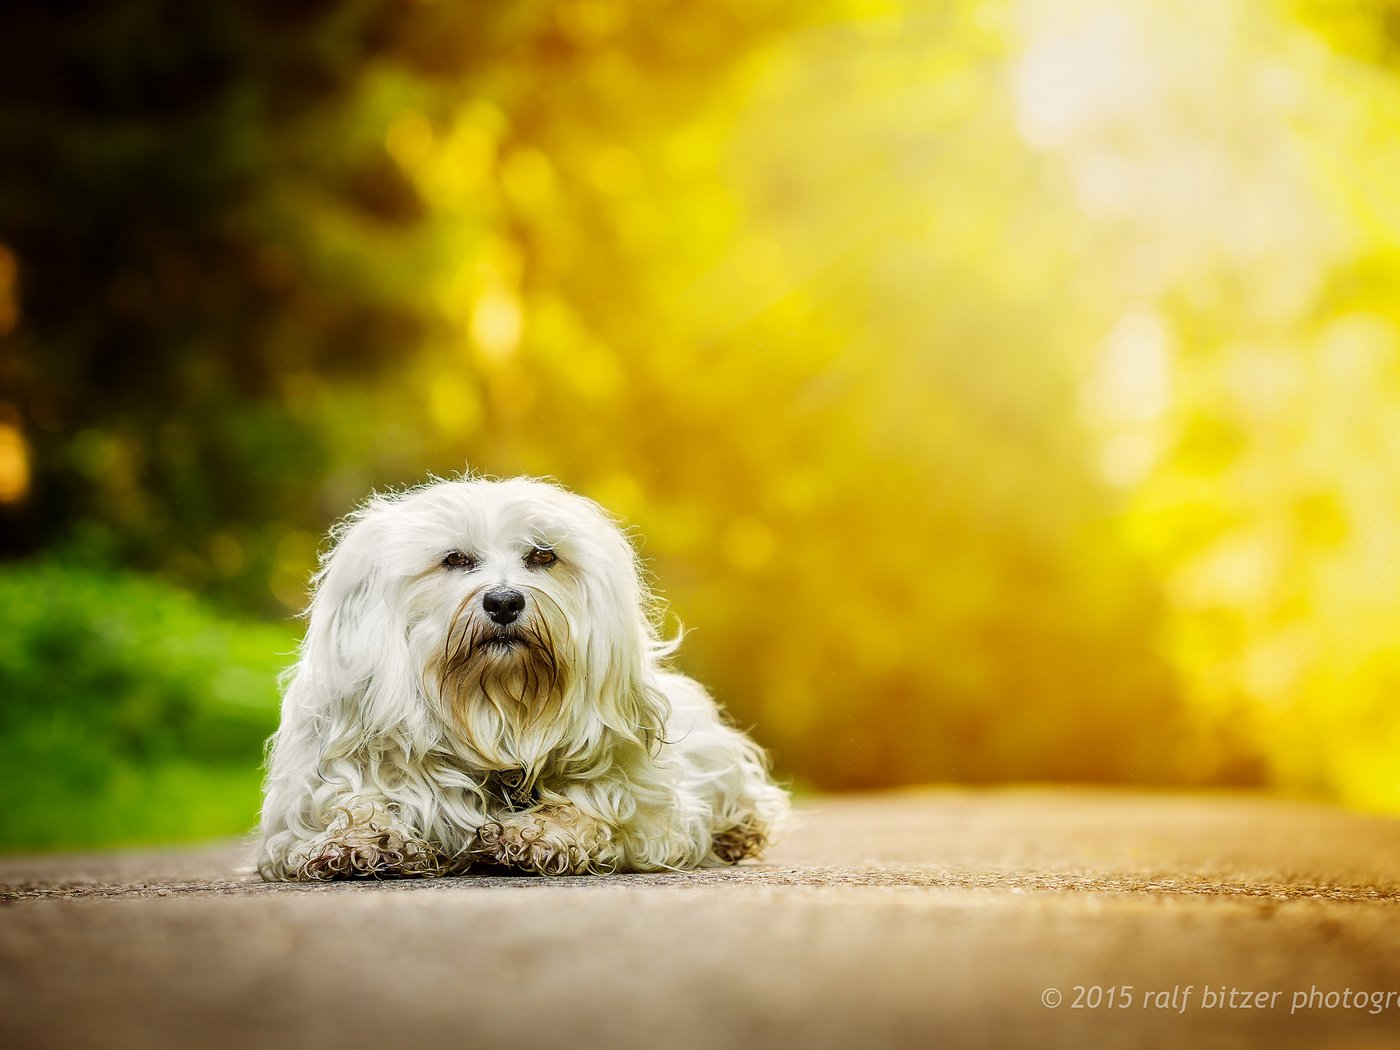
(998, 390)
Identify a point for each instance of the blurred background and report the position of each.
(1004, 390)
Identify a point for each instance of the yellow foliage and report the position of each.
(1002, 389)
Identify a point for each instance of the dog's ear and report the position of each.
(621, 647)
(356, 668)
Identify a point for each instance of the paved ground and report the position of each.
(1044, 918)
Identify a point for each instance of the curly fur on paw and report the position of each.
(531, 847)
(743, 840)
(366, 852)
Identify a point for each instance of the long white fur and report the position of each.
(397, 732)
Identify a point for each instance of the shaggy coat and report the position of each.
(421, 735)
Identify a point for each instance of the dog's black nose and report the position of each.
(503, 604)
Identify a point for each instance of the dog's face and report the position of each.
(513, 581)
(510, 611)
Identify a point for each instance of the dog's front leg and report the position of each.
(369, 841)
(707, 802)
(633, 815)
(546, 840)
(358, 838)
(637, 816)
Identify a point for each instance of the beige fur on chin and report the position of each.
(419, 737)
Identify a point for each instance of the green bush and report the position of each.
(131, 712)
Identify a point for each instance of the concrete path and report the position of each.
(1036, 918)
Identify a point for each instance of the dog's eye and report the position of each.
(541, 558)
(458, 560)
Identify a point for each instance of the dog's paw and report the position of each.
(529, 848)
(368, 852)
(736, 843)
(538, 845)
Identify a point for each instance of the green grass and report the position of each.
(168, 801)
(130, 712)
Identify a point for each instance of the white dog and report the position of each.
(482, 684)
